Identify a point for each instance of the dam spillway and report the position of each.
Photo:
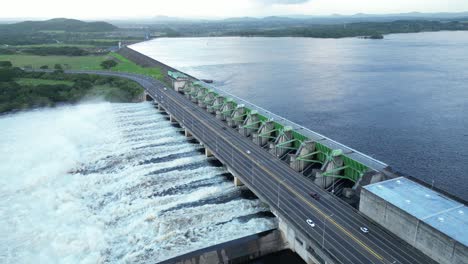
(112, 183)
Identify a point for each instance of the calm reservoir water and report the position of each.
(403, 100)
(112, 183)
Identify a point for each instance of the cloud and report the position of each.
(282, 2)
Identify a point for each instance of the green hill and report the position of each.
(57, 24)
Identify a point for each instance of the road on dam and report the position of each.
(337, 225)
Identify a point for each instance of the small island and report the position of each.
(374, 36)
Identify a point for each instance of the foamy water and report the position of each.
(112, 183)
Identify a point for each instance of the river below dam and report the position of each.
(402, 100)
(112, 183)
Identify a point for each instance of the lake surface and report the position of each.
(112, 183)
(403, 100)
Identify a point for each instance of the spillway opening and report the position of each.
(111, 183)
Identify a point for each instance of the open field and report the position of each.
(71, 62)
(126, 65)
(54, 45)
(80, 63)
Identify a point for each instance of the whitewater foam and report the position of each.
(111, 183)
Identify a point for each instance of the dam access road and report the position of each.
(337, 230)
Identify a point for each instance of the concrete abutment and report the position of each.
(187, 133)
(172, 119)
(208, 152)
(237, 182)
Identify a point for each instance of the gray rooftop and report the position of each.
(442, 213)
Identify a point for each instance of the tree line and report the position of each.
(16, 96)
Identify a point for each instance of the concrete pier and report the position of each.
(237, 181)
(283, 143)
(250, 124)
(303, 156)
(160, 108)
(208, 152)
(187, 133)
(263, 134)
(172, 119)
(325, 181)
(237, 117)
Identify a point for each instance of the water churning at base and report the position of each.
(112, 183)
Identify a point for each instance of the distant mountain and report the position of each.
(338, 18)
(277, 18)
(240, 19)
(57, 24)
(292, 19)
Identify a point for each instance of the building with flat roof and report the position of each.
(426, 219)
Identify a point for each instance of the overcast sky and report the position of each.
(96, 9)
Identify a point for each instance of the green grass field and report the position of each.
(73, 62)
(80, 63)
(54, 45)
(34, 82)
(126, 65)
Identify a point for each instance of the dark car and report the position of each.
(315, 196)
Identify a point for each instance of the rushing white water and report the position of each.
(111, 183)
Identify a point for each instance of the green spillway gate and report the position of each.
(216, 106)
(351, 169)
(241, 117)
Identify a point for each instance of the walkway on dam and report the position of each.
(337, 230)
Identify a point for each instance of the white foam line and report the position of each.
(132, 159)
(49, 215)
(166, 139)
(153, 133)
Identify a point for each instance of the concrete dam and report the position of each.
(334, 204)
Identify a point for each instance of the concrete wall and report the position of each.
(237, 251)
(422, 236)
(309, 251)
(460, 255)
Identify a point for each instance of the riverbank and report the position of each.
(23, 90)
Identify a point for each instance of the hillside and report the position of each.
(57, 24)
(58, 30)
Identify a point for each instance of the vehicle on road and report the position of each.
(316, 196)
(364, 229)
(310, 222)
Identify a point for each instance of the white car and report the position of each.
(364, 229)
(310, 222)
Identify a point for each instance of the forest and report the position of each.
(21, 90)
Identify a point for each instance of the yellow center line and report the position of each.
(357, 240)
